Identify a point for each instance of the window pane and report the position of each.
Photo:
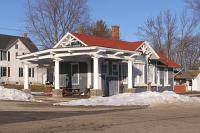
(104, 68)
(29, 72)
(74, 73)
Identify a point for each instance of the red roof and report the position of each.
(167, 61)
(106, 42)
(116, 44)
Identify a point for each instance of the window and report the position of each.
(16, 54)
(124, 72)
(0, 55)
(20, 72)
(139, 71)
(4, 55)
(16, 46)
(115, 69)
(8, 55)
(104, 68)
(151, 74)
(32, 72)
(29, 72)
(75, 73)
(166, 76)
(3, 71)
(8, 71)
(158, 75)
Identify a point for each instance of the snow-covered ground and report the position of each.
(144, 98)
(14, 94)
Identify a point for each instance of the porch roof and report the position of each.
(92, 51)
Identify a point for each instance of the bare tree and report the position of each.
(195, 6)
(160, 31)
(50, 20)
(174, 36)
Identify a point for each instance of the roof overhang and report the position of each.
(93, 51)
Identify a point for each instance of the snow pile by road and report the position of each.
(14, 94)
(144, 98)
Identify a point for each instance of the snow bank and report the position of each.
(14, 94)
(144, 98)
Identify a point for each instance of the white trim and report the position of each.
(130, 74)
(74, 49)
(144, 49)
(77, 73)
(140, 84)
(119, 53)
(167, 74)
(89, 75)
(95, 73)
(153, 72)
(158, 75)
(65, 36)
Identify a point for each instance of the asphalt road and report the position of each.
(26, 117)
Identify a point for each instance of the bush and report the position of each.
(34, 88)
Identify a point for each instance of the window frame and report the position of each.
(124, 73)
(158, 75)
(137, 78)
(77, 73)
(21, 73)
(117, 69)
(166, 73)
(3, 71)
(151, 79)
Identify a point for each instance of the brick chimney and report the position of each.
(80, 31)
(25, 35)
(115, 32)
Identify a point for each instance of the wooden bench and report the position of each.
(71, 91)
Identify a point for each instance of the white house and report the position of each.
(11, 68)
(107, 66)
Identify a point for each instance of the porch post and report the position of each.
(96, 73)
(56, 73)
(130, 74)
(89, 75)
(26, 78)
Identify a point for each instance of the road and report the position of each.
(27, 117)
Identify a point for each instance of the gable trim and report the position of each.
(65, 36)
(148, 46)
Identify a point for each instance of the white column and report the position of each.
(26, 80)
(89, 75)
(56, 74)
(96, 73)
(130, 74)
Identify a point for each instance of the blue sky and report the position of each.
(128, 14)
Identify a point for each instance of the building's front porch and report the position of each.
(104, 71)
